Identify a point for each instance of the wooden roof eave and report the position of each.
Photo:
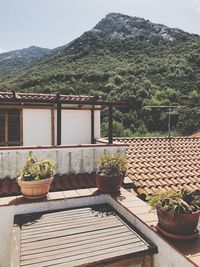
(54, 101)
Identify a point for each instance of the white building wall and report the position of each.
(76, 127)
(97, 124)
(36, 127)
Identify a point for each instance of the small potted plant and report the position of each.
(111, 172)
(36, 177)
(178, 212)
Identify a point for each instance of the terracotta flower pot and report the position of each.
(35, 189)
(180, 224)
(109, 184)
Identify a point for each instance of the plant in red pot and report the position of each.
(36, 177)
(178, 213)
(111, 172)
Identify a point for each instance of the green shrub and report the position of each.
(112, 164)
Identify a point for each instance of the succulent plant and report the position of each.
(35, 170)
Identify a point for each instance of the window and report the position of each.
(10, 127)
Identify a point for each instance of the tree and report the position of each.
(189, 120)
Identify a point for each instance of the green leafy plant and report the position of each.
(112, 164)
(35, 170)
(181, 202)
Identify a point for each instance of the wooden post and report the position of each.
(110, 124)
(6, 128)
(58, 120)
(92, 125)
(21, 127)
(52, 126)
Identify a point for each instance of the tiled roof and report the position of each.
(163, 163)
(40, 97)
(9, 187)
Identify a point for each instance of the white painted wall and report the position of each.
(76, 127)
(36, 127)
(97, 124)
(68, 160)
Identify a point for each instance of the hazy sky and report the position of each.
(52, 23)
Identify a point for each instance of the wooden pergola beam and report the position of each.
(92, 125)
(58, 100)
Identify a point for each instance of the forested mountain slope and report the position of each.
(15, 61)
(125, 58)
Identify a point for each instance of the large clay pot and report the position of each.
(180, 224)
(35, 189)
(109, 184)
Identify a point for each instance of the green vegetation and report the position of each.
(182, 202)
(35, 170)
(159, 72)
(112, 165)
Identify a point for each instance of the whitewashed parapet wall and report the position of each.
(68, 159)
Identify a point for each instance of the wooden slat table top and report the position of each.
(76, 237)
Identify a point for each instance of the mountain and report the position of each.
(124, 58)
(15, 61)
(115, 25)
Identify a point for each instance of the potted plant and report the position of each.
(111, 172)
(36, 177)
(178, 212)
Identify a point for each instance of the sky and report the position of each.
(53, 23)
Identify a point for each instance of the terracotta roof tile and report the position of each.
(144, 176)
(162, 175)
(167, 181)
(9, 187)
(151, 176)
(173, 181)
(155, 182)
(14, 187)
(173, 175)
(173, 187)
(142, 183)
(37, 96)
(146, 190)
(165, 163)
